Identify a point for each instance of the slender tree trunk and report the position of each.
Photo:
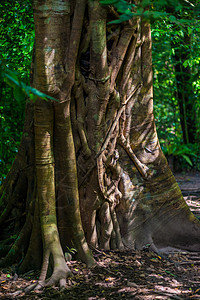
(185, 92)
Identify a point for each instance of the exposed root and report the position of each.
(118, 244)
(58, 278)
(106, 226)
(19, 245)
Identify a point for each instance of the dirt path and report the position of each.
(125, 275)
(190, 187)
(189, 183)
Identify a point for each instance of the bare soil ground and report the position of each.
(190, 186)
(124, 274)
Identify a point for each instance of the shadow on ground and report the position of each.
(126, 274)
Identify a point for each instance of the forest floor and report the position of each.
(124, 274)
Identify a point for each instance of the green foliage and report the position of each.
(171, 20)
(151, 10)
(170, 39)
(71, 250)
(166, 112)
(17, 35)
(16, 44)
(21, 90)
(180, 150)
(175, 31)
(69, 253)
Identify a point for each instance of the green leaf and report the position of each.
(19, 94)
(11, 80)
(189, 30)
(33, 97)
(172, 18)
(30, 90)
(185, 64)
(187, 159)
(170, 273)
(108, 2)
(122, 18)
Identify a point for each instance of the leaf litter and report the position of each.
(119, 275)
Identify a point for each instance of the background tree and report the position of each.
(92, 158)
(16, 45)
(182, 42)
(176, 75)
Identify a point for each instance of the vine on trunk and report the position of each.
(90, 170)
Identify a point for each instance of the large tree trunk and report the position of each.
(108, 182)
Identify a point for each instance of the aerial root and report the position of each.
(57, 278)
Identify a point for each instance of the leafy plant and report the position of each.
(71, 250)
(151, 10)
(180, 150)
(69, 253)
(16, 44)
(21, 90)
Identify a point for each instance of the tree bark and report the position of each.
(101, 178)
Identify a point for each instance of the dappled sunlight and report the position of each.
(122, 275)
(49, 57)
(90, 180)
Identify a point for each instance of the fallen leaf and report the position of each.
(154, 259)
(132, 284)
(170, 273)
(108, 279)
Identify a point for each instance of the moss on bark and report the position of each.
(93, 172)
